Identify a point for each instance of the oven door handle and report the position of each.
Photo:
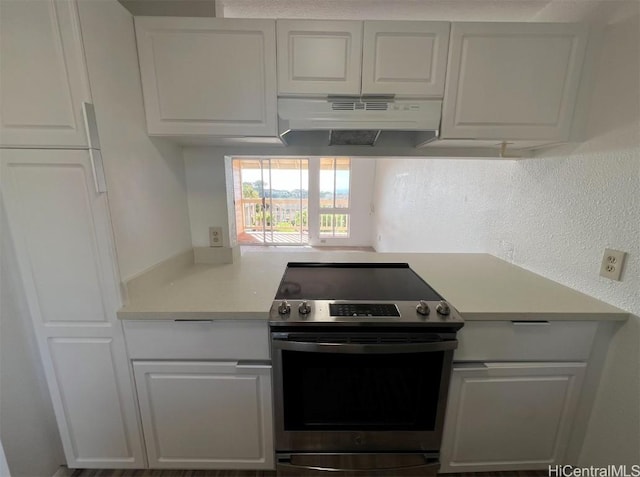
(429, 464)
(357, 348)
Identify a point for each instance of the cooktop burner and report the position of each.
(353, 281)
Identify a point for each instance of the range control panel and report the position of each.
(363, 309)
(365, 312)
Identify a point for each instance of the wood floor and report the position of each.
(255, 473)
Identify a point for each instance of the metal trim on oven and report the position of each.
(362, 464)
(351, 348)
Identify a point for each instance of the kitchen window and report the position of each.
(334, 176)
(271, 200)
(291, 201)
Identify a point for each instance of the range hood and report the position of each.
(358, 121)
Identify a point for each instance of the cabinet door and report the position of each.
(319, 57)
(512, 80)
(509, 416)
(62, 236)
(206, 414)
(43, 75)
(404, 58)
(208, 76)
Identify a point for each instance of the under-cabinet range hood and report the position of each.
(358, 121)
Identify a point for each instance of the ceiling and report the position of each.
(588, 11)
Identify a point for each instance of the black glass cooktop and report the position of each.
(353, 281)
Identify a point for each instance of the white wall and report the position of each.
(553, 215)
(205, 170)
(207, 193)
(145, 176)
(438, 205)
(28, 428)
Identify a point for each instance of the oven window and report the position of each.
(333, 391)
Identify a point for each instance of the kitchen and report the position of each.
(572, 200)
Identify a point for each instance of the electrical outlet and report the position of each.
(612, 262)
(215, 236)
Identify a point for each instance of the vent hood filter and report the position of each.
(381, 122)
(355, 137)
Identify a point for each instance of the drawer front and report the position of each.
(163, 339)
(525, 341)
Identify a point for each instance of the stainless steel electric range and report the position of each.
(362, 356)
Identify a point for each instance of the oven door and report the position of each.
(360, 392)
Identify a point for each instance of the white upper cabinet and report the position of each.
(43, 76)
(512, 80)
(208, 76)
(319, 57)
(404, 58)
(322, 57)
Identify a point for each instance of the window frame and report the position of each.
(334, 210)
(314, 210)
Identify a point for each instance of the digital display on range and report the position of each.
(363, 309)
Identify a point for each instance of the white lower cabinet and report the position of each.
(206, 414)
(509, 416)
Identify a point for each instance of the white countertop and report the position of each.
(480, 286)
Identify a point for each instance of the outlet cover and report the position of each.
(612, 263)
(215, 236)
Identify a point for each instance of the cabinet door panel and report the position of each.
(93, 407)
(404, 58)
(512, 81)
(509, 416)
(206, 414)
(43, 75)
(208, 76)
(319, 57)
(52, 201)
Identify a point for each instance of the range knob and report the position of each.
(284, 308)
(304, 308)
(422, 308)
(443, 308)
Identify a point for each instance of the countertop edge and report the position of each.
(193, 315)
(544, 316)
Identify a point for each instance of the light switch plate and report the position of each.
(215, 236)
(612, 262)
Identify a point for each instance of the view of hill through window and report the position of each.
(272, 199)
